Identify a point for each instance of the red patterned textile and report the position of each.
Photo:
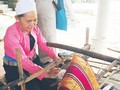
(79, 76)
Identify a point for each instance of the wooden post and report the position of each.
(21, 73)
(87, 36)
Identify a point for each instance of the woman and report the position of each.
(25, 35)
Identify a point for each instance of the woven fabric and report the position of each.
(79, 76)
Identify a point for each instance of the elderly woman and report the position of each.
(25, 35)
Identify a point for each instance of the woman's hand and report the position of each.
(52, 73)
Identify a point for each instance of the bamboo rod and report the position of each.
(107, 79)
(114, 50)
(19, 82)
(102, 73)
(48, 67)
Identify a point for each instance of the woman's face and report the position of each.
(28, 21)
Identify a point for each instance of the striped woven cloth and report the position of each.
(79, 76)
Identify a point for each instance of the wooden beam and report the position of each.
(85, 52)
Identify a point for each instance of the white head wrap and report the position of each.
(24, 6)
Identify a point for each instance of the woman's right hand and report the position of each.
(52, 73)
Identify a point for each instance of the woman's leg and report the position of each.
(47, 84)
(33, 85)
(12, 74)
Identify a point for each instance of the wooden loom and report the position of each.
(113, 62)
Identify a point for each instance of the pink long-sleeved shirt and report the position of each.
(15, 38)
